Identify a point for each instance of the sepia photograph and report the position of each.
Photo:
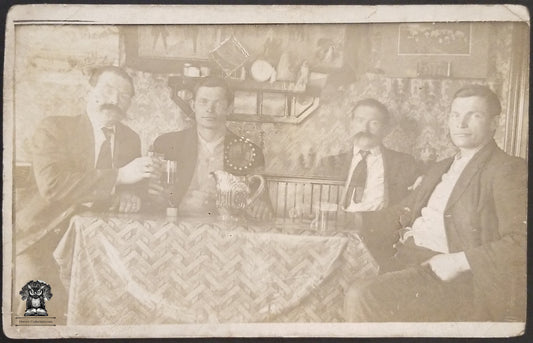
(273, 170)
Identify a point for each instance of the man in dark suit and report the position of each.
(375, 176)
(85, 161)
(209, 146)
(461, 235)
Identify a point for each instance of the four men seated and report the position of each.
(450, 248)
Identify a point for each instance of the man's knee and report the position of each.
(358, 300)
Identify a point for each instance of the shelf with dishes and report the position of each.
(256, 101)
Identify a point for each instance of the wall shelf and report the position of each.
(296, 103)
(289, 119)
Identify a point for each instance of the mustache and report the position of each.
(111, 107)
(365, 140)
(364, 135)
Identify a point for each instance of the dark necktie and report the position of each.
(105, 159)
(358, 181)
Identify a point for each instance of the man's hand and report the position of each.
(126, 202)
(448, 266)
(155, 188)
(137, 170)
(260, 209)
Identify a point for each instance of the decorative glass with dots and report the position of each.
(240, 156)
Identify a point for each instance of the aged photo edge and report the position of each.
(511, 13)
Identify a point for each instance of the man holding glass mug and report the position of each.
(90, 160)
(206, 147)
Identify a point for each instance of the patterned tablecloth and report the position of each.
(131, 270)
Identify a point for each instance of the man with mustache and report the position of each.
(209, 146)
(375, 177)
(79, 162)
(461, 235)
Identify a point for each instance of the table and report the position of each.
(134, 269)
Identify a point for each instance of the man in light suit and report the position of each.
(209, 146)
(375, 176)
(461, 235)
(86, 161)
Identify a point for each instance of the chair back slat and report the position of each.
(297, 199)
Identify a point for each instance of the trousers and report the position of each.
(410, 292)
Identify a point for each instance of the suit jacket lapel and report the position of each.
(471, 169)
(85, 137)
(345, 162)
(387, 162)
(428, 185)
(117, 150)
(189, 154)
(122, 153)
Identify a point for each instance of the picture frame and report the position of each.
(400, 55)
(435, 39)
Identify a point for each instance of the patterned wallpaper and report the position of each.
(419, 108)
(152, 111)
(51, 72)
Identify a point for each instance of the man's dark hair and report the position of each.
(212, 81)
(370, 102)
(491, 99)
(97, 72)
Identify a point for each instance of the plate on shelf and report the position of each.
(261, 70)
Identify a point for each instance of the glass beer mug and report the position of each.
(323, 213)
(166, 177)
(169, 179)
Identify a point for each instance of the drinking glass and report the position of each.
(169, 178)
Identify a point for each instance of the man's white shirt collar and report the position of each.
(375, 151)
(211, 146)
(468, 154)
(97, 128)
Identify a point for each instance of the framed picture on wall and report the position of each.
(455, 50)
(165, 48)
(435, 39)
